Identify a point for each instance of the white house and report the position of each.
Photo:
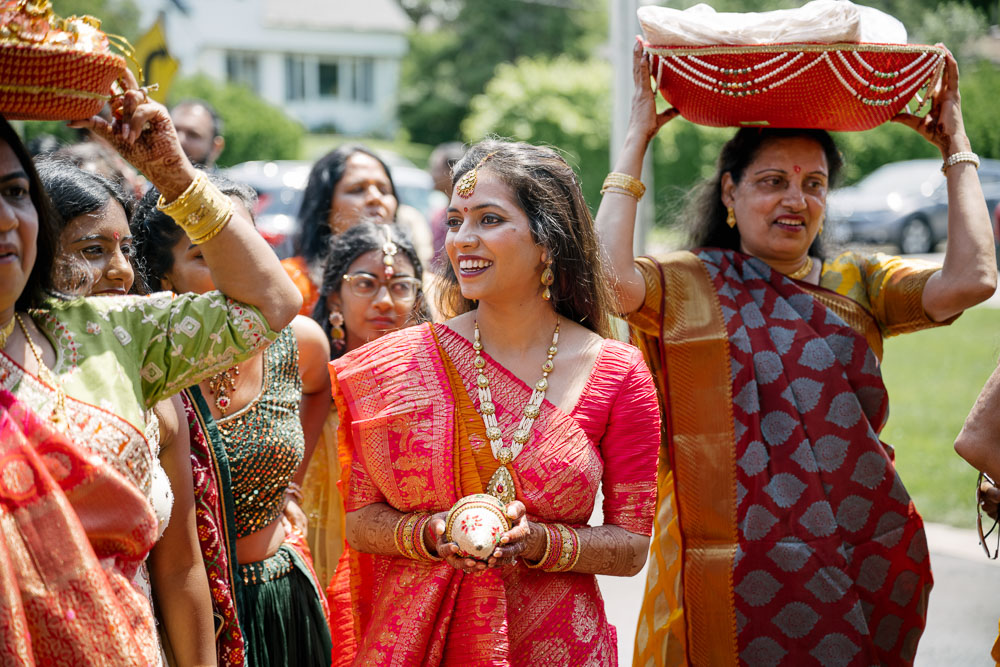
(331, 64)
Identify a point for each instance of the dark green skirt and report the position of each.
(283, 622)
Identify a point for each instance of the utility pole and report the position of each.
(624, 26)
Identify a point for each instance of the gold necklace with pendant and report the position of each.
(221, 386)
(501, 484)
(58, 416)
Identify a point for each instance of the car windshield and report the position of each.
(903, 177)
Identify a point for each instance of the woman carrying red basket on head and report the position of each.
(783, 533)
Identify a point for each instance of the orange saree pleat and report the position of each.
(688, 607)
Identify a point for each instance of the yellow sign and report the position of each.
(158, 65)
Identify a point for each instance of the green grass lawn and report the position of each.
(933, 378)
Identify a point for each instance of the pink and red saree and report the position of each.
(414, 440)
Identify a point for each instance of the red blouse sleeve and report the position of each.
(630, 447)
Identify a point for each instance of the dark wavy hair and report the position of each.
(76, 192)
(313, 239)
(706, 216)
(547, 190)
(155, 233)
(347, 247)
(47, 242)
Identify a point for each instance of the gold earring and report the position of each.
(730, 216)
(547, 279)
(820, 230)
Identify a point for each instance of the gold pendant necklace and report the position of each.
(58, 416)
(222, 385)
(802, 271)
(501, 484)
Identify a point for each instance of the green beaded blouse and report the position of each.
(264, 441)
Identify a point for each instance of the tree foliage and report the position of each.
(449, 65)
(560, 102)
(254, 130)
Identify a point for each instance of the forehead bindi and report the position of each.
(796, 155)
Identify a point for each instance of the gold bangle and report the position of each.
(202, 210)
(570, 552)
(624, 184)
(545, 556)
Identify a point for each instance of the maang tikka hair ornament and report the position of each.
(389, 250)
(466, 185)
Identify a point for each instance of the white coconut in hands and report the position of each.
(476, 523)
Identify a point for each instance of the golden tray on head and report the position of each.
(39, 82)
(837, 87)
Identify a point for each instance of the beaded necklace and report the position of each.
(501, 484)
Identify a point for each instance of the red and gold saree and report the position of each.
(74, 533)
(414, 440)
(783, 534)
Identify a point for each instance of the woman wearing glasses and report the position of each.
(371, 286)
(264, 416)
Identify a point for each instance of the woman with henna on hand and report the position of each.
(520, 395)
(78, 377)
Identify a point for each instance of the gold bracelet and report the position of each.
(624, 184)
(570, 552)
(545, 556)
(202, 210)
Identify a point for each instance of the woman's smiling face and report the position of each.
(490, 245)
(780, 201)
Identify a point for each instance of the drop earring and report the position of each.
(730, 216)
(338, 338)
(547, 279)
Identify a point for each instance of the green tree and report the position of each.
(446, 67)
(119, 17)
(560, 102)
(254, 130)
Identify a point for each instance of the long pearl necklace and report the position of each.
(501, 484)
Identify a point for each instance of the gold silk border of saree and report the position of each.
(698, 401)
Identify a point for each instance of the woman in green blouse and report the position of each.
(76, 380)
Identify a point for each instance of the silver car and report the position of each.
(902, 203)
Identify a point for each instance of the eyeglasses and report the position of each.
(982, 499)
(364, 286)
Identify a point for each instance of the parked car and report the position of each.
(902, 203)
(281, 183)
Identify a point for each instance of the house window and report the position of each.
(363, 81)
(241, 68)
(329, 78)
(295, 78)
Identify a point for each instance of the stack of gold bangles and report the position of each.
(623, 184)
(202, 211)
(409, 536)
(562, 549)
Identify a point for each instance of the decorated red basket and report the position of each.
(829, 86)
(39, 82)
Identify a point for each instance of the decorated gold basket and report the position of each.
(39, 82)
(829, 86)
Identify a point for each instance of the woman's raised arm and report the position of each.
(616, 215)
(243, 266)
(969, 274)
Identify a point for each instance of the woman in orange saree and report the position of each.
(783, 534)
(412, 407)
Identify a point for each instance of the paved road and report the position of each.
(962, 614)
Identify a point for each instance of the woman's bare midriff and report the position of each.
(262, 544)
